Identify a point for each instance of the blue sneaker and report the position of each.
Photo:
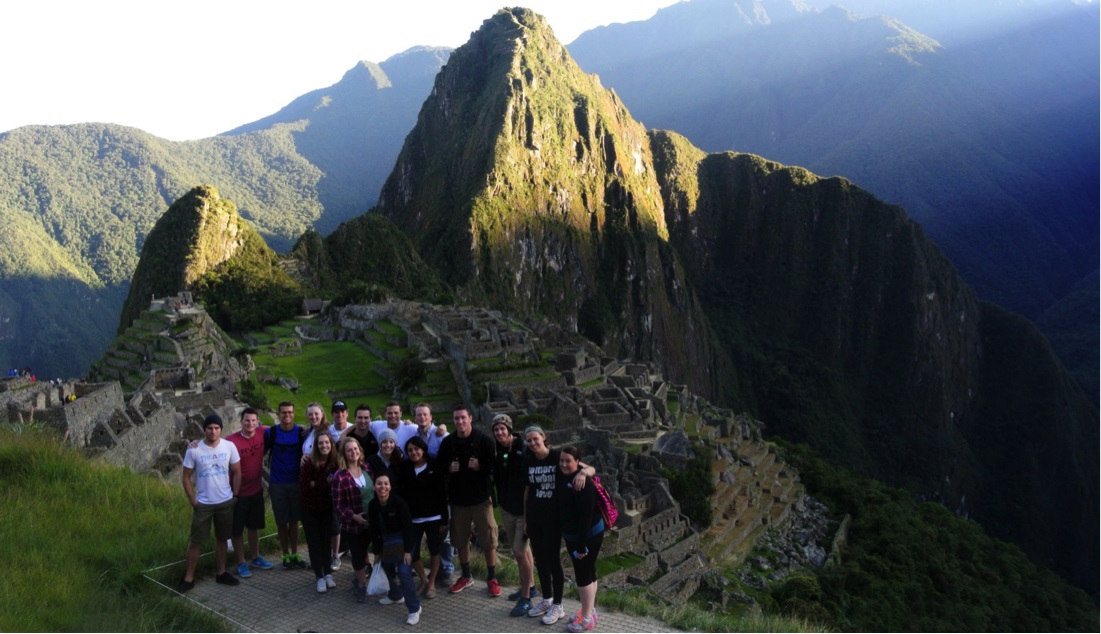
(261, 563)
(515, 596)
(243, 571)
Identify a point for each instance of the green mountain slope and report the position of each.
(202, 245)
(528, 187)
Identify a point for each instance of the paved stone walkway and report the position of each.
(287, 601)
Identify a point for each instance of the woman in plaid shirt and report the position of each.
(352, 489)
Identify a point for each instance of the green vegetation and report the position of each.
(693, 486)
(321, 369)
(911, 566)
(81, 534)
(691, 617)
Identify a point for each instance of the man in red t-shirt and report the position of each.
(249, 510)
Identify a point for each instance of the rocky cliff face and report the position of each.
(530, 188)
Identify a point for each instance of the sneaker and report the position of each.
(388, 601)
(334, 563)
(186, 585)
(555, 613)
(298, 562)
(329, 583)
(582, 624)
(361, 594)
(462, 584)
(541, 608)
(575, 618)
(243, 571)
(414, 617)
(444, 581)
(261, 563)
(288, 563)
(321, 587)
(226, 579)
(515, 596)
(493, 587)
(522, 607)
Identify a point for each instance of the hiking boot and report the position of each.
(462, 584)
(243, 571)
(522, 607)
(227, 579)
(493, 587)
(444, 581)
(261, 563)
(555, 613)
(516, 595)
(541, 608)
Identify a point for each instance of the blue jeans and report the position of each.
(407, 589)
(447, 556)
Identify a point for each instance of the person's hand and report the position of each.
(455, 466)
(581, 555)
(193, 444)
(360, 518)
(579, 481)
(441, 430)
(408, 559)
(473, 464)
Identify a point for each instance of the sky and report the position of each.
(189, 70)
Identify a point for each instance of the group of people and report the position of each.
(387, 486)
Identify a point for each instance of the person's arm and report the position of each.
(188, 487)
(235, 477)
(583, 473)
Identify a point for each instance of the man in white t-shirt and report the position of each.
(403, 429)
(216, 466)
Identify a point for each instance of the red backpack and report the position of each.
(607, 505)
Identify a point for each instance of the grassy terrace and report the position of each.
(321, 368)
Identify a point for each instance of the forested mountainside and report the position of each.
(988, 138)
(78, 201)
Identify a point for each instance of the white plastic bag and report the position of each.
(378, 583)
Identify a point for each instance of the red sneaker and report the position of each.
(494, 588)
(462, 584)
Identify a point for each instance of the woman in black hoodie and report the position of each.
(583, 531)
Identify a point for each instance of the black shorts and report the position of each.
(248, 513)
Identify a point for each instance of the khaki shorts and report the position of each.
(220, 514)
(481, 516)
(517, 531)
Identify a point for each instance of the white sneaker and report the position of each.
(386, 600)
(541, 608)
(556, 612)
(414, 617)
(329, 583)
(321, 587)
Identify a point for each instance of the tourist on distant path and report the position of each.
(361, 431)
(387, 459)
(318, 425)
(391, 527)
(510, 477)
(248, 512)
(541, 517)
(467, 458)
(284, 441)
(315, 483)
(423, 487)
(216, 466)
(352, 488)
(583, 531)
(339, 414)
(433, 435)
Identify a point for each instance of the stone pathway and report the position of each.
(287, 601)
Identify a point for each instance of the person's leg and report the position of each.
(408, 588)
(253, 544)
(220, 550)
(193, 553)
(313, 543)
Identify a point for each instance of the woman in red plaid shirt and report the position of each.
(352, 489)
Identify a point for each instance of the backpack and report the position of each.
(607, 505)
